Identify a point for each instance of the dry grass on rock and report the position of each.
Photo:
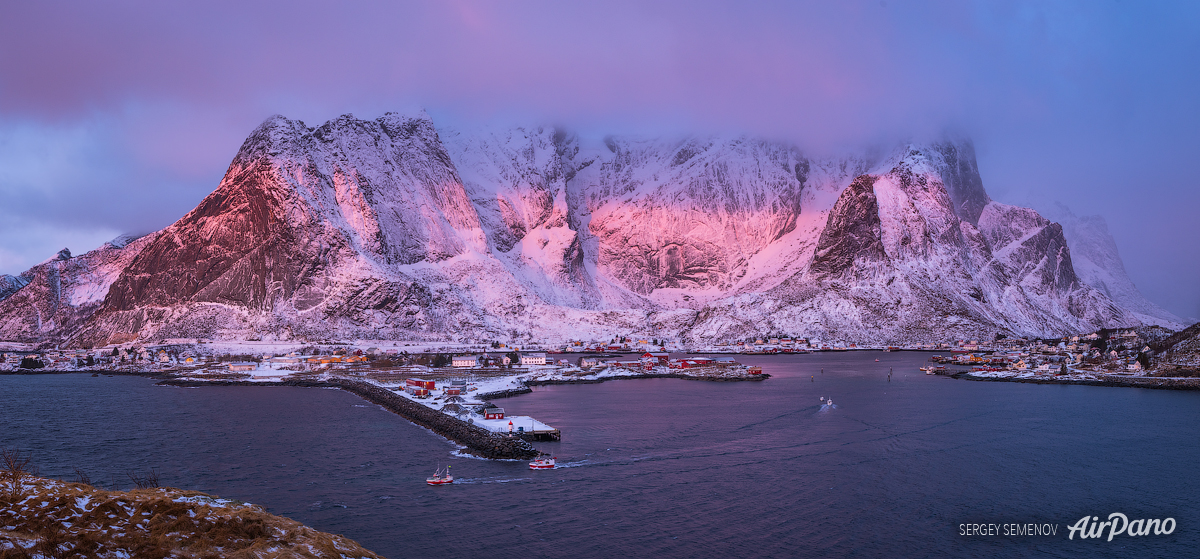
(43, 518)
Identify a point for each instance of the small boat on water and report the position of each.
(542, 464)
(440, 477)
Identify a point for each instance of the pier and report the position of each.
(479, 441)
(522, 426)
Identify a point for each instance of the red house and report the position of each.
(663, 358)
(493, 413)
(419, 383)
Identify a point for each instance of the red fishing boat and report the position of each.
(440, 477)
(542, 464)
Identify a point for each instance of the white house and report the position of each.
(465, 361)
(533, 359)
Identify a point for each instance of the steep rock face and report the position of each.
(960, 174)
(517, 180)
(688, 214)
(853, 234)
(1030, 247)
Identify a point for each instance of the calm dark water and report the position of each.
(662, 467)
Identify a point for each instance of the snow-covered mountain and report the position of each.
(394, 228)
(1099, 265)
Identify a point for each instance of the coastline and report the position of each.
(1157, 383)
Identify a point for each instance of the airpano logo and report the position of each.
(1119, 524)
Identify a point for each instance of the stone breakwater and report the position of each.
(479, 441)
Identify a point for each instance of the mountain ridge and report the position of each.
(394, 228)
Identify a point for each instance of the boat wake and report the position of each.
(575, 464)
(461, 452)
(483, 481)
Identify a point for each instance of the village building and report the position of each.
(660, 358)
(420, 383)
(467, 361)
(533, 359)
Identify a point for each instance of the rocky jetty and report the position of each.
(477, 440)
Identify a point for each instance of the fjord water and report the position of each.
(662, 467)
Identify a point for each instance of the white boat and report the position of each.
(542, 464)
(440, 477)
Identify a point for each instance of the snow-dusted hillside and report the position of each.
(59, 296)
(394, 228)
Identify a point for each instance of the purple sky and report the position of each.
(119, 117)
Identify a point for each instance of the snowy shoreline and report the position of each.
(1084, 379)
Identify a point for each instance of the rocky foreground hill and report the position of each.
(395, 228)
(49, 518)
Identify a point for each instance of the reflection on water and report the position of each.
(660, 466)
